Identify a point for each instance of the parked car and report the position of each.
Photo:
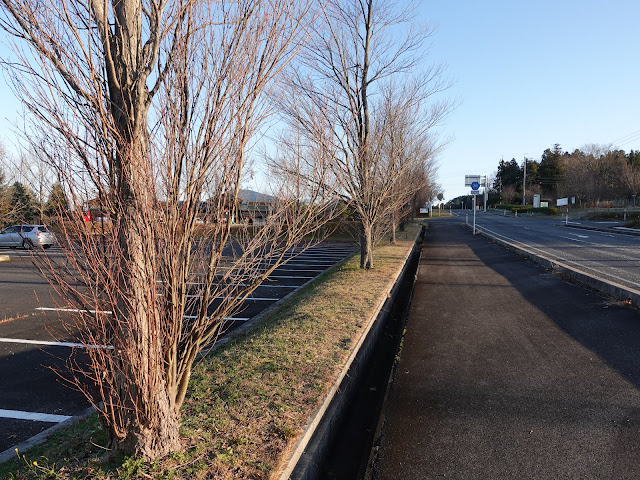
(27, 236)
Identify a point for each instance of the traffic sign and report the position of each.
(475, 186)
(469, 179)
(475, 192)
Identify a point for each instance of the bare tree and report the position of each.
(408, 152)
(4, 198)
(34, 172)
(630, 178)
(594, 173)
(148, 109)
(358, 49)
(508, 194)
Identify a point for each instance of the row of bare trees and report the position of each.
(595, 173)
(153, 106)
(359, 93)
(29, 191)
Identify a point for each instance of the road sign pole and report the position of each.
(474, 214)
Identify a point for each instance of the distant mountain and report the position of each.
(253, 196)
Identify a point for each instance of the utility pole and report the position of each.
(486, 192)
(524, 182)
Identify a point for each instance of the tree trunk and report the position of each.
(145, 415)
(393, 228)
(366, 246)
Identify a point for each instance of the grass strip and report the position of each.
(250, 400)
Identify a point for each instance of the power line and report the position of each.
(629, 138)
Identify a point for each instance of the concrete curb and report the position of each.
(610, 288)
(42, 436)
(306, 458)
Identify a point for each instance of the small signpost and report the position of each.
(475, 182)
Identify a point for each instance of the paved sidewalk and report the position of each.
(510, 372)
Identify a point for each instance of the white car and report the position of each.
(27, 236)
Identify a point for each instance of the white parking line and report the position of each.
(303, 262)
(257, 299)
(63, 344)
(73, 310)
(33, 416)
(302, 269)
(290, 277)
(274, 286)
(53, 344)
(228, 319)
(263, 285)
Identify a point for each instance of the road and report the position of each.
(608, 255)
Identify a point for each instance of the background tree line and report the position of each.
(29, 193)
(593, 174)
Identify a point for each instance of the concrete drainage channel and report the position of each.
(340, 444)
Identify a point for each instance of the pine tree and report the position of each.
(21, 204)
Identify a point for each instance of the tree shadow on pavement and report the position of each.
(602, 324)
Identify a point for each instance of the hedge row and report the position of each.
(528, 209)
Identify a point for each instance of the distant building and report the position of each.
(254, 207)
(251, 207)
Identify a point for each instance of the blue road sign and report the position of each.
(475, 186)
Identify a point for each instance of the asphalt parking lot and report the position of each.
(33, 398)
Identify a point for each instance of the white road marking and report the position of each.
(274, 286)
(290, 277)
(73, 310)
(228, 319)
(33, 416)
(573, 239)
(258, 299)
(301, 269)
(52, 343)
(200, 284)
(66, 344)
(577, 235)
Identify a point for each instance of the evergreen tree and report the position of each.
(550, 171)
(21, 204)
(509, 174)
(634, 158)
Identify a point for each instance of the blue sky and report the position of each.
(533, 73)
(528, 74)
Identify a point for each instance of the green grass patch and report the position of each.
(249, 400)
